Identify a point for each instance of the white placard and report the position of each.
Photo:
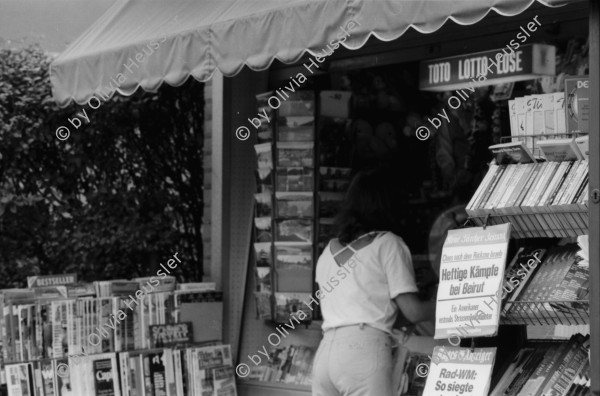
(471, 277)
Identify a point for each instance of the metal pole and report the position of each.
(594, 207)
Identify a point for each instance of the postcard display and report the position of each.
(291, 222)
(544, 285)
(96, 339)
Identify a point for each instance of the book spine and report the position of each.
(480, 210)
(567, 376)
(480, 190)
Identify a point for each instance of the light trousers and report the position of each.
(353, 361)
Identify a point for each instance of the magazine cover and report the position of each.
(105, 377)
(64, 386)
(20, 379)
(224, 381)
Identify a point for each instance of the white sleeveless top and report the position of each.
(361, 290)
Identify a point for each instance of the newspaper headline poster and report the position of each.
(460, 371)
(471, 276)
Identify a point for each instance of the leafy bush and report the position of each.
(121, 194)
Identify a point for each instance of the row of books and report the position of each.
(547, 199)
(189, 371)
(551, 280)
(291, 365)
(39, 328)
(557, 369)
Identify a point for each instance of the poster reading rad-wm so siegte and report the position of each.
(471, 275)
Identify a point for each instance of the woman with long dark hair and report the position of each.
(365, 276)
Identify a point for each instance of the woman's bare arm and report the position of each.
(414, 309)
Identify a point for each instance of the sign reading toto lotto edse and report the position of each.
(487, 68)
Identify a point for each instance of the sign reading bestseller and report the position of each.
(471, 276)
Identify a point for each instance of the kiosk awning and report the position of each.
(143, 43)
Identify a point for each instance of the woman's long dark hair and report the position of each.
(370, 205)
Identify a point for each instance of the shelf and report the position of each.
(546, 313)
(547, 224)
(263, 388)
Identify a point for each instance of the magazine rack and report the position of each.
(546, 224)
(546, 313)
(535, 137)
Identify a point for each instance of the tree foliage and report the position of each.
(121, 194)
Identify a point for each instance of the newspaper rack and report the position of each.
(564, 312)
